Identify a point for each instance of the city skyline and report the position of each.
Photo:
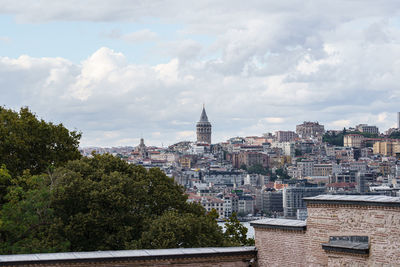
(121, 71)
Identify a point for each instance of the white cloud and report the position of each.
(340, 124)
(265, 66)
(5, 39)
(140, 36)
(168, 73)
(274, 120)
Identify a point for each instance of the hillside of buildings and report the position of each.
(56, 196)
(268, 175)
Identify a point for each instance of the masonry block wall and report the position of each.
(280, 247)
(380, 223)
(373, 218)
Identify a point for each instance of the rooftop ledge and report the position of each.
(365, 200)
(132, 255)
(283, 224)
(347, 244)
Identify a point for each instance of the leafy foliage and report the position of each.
(27, 222)
(52, 199)
(101, 203)
(174, 229)
(5, 182)
(333, 139)
(257, 169)
(236, 232)
(395, 135)
(282, 174)
(31, 144)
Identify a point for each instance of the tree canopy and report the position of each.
(102, 203)
(54, 200)
(395, 135)
(258, 169)
(27, 143)
(236, 232)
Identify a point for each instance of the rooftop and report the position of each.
(284, 224)
(145, 254)
(347, 244)
(371, 200)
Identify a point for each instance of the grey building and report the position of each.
(224, 177)
(293, 198)
(272, 201)
(363, 180)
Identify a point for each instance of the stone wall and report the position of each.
(280, 247)
(354, 230)
(381, 224)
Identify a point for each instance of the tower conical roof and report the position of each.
(203, 117)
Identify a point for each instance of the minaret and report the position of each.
(203, 128)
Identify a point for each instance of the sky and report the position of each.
(121, 70)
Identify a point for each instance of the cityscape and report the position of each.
(199, 133)
(269, 175)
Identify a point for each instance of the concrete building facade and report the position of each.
(293, 198)
(353, 140)
(387, 148)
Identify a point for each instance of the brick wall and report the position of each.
(380, 224)
(335, 260)
(279, 247)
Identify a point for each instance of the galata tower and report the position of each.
(203, 128)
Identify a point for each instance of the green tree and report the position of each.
(27, 222)
(395, 135)
(5, 182)
(282, 174)
(28, 143)
(105, 203)
(257, 169)
(102, 203)
(334, 139)
(174, 229)
(236, 232)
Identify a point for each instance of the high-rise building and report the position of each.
(398, 120)
(203, 128)
(293, 198)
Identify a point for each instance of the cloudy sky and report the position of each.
(118, 70)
